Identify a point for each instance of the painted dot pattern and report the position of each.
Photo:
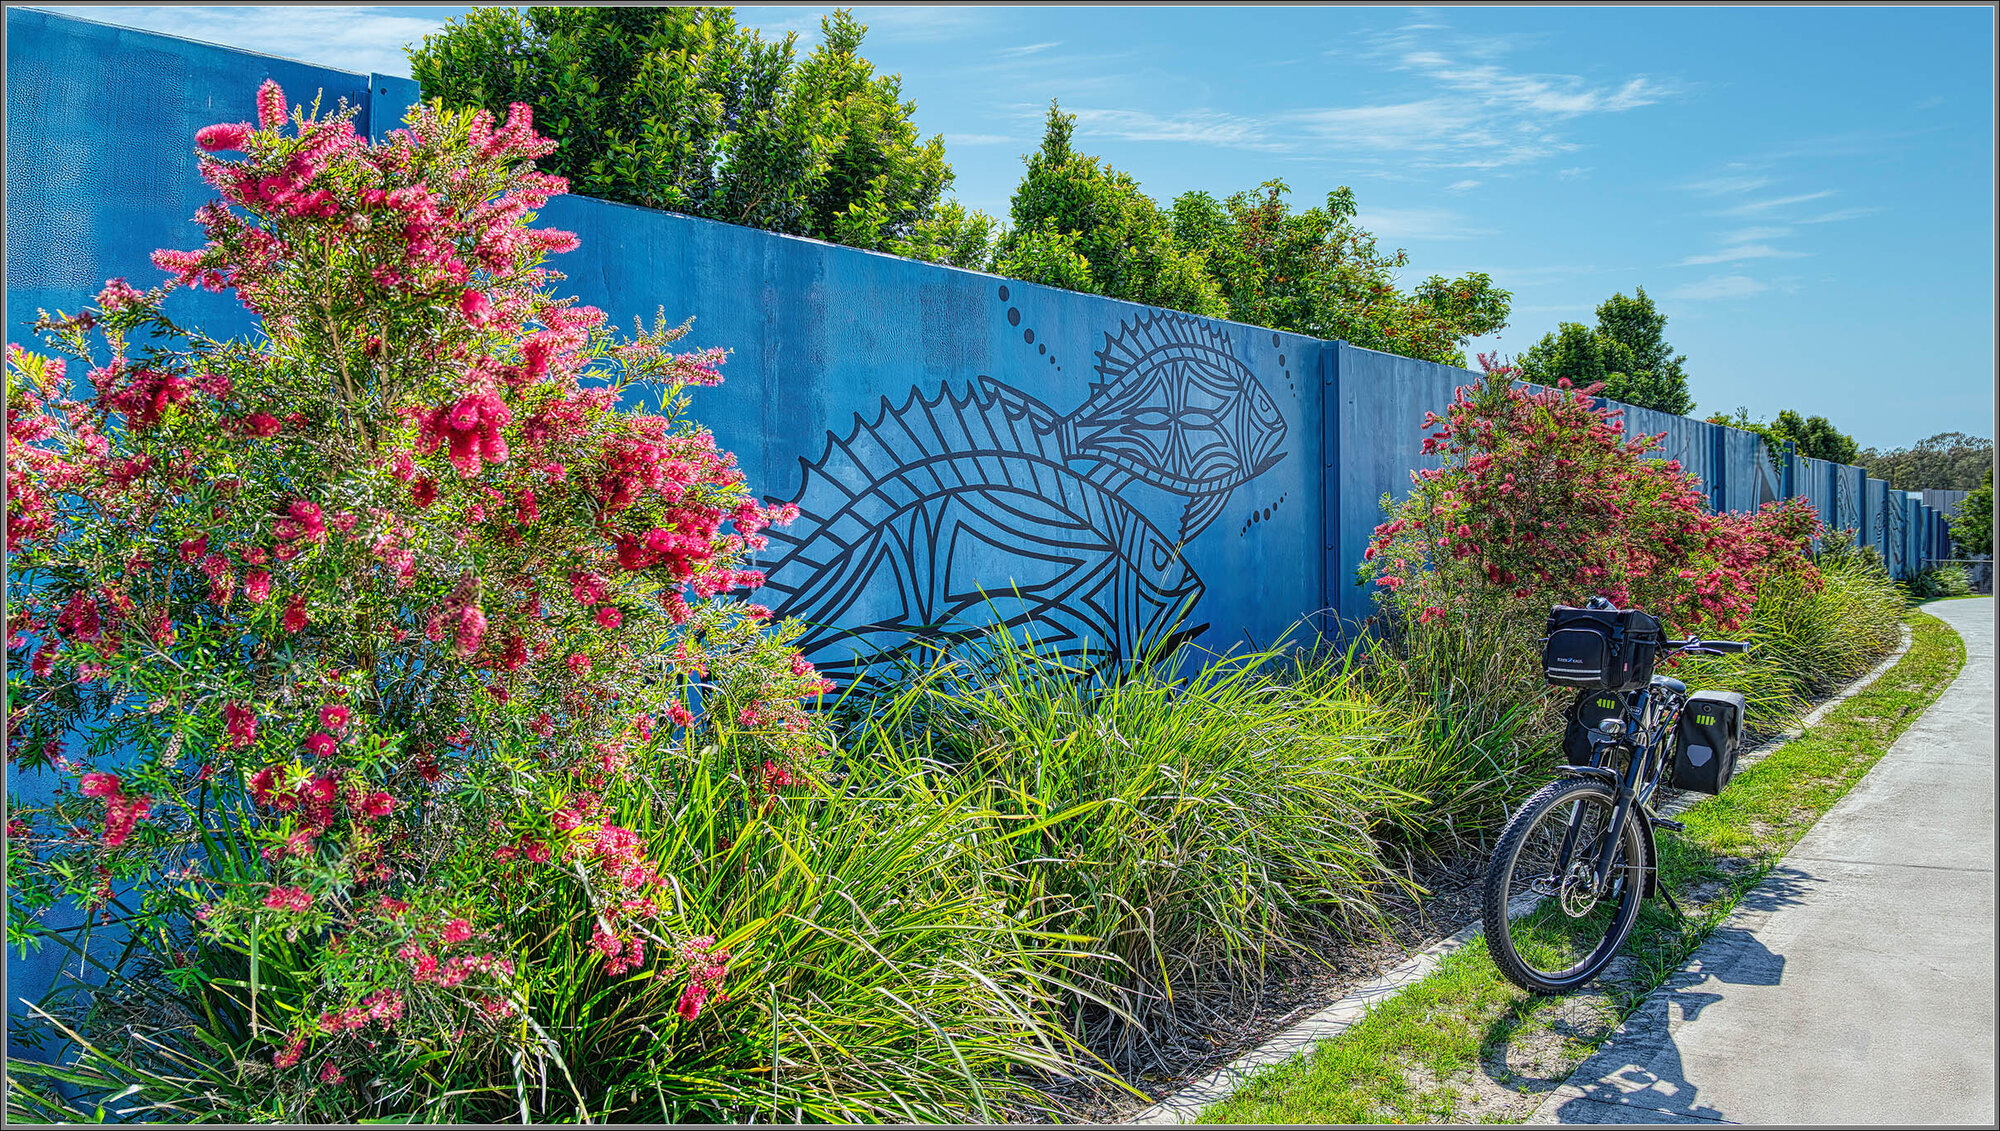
(1027, 335)
(1263, 515)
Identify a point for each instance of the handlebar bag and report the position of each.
(1589, 710)
(1706, 740)
(1600, 649)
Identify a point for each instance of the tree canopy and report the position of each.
(1627, 350)
(1078, 223)
(685, 110)
(1972, 523)
(1813, 436)
(1948, 461)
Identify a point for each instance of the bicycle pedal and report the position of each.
(1669, 824)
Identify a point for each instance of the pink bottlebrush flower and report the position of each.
(331, 1074)
(579, 663)
(289, 1055)
(222, 136)
(477, 308)
(288, 899)
(240, 724)
(98, 784)
(586, 588)
(257, 585)
(334, 717)
(608, 616)
(322, 745)
(457, 931)
(270, 105)
(295, 615)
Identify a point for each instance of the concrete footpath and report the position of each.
(1855, 985)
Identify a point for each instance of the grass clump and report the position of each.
(1196, 823)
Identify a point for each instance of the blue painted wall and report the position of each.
(952, 435)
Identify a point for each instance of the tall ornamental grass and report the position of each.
(1194, 825)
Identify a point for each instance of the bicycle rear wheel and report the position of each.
(1548, 926)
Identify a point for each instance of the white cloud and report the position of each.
(1754, 207)
(977, 139)
(1027, 49)
(1477, 115)
(1207, 127)
(1737, 254)
(1718, 287)
(917, 23)
(1462, 186)
(1752, 235)
(359, 39)
(1574, 171)
(1725, 185)
(1839, 215)
(1417, 224)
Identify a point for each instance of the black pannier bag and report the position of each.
(1600, 649)
(1590, 709)
(1706, 740)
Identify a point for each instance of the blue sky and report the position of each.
(1807, 193)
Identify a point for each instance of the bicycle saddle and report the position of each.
(1671, 684)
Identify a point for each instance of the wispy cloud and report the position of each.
(920, 23)
(1728, 185)
(1838, 215)
(1026, 49)
(1199, 126)
(1462, 186)
(1759, 207)
(977, 139)
(1719, 287)
(1479, 113)
(1738, 254)
(1574, 171)
(1752, 235)
(1468, 111)
(1418, 224)
(361, 39)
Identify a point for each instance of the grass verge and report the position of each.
(1465, 1045)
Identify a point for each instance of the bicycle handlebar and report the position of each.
(1712, 647)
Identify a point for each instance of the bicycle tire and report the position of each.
(1553, 926)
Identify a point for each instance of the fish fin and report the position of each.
(1042, 419)
(1201, 510)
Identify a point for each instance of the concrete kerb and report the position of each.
(1187, 1104)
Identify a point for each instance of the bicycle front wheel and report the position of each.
(1549, 925)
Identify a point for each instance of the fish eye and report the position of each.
(1160, 556)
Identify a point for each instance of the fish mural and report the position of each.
(981, 505)
(1172, 407)
(1846, 505)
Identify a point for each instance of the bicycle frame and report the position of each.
(1649, 714)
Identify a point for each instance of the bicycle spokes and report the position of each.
(1562, 922)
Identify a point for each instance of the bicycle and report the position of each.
(1572, 866)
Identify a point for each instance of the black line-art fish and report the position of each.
(941, 518)
(1173, 407)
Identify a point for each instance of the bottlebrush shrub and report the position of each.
(328, 631)
(1542, 498)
